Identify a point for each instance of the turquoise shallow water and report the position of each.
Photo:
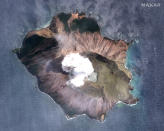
(132, 61)
(23, 107)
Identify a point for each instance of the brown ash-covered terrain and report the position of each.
(43, 51)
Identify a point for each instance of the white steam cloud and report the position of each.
(79, 68)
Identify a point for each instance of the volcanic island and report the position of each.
(77, 67)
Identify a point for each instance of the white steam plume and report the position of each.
(79, 68)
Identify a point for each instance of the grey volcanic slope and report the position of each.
(43, 51)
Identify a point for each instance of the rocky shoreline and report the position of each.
(43, 50)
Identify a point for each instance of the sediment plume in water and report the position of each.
(43, 51)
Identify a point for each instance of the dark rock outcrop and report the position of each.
(43, 50)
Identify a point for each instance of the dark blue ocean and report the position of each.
(24, 108)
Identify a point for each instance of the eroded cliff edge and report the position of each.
(43, 50)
